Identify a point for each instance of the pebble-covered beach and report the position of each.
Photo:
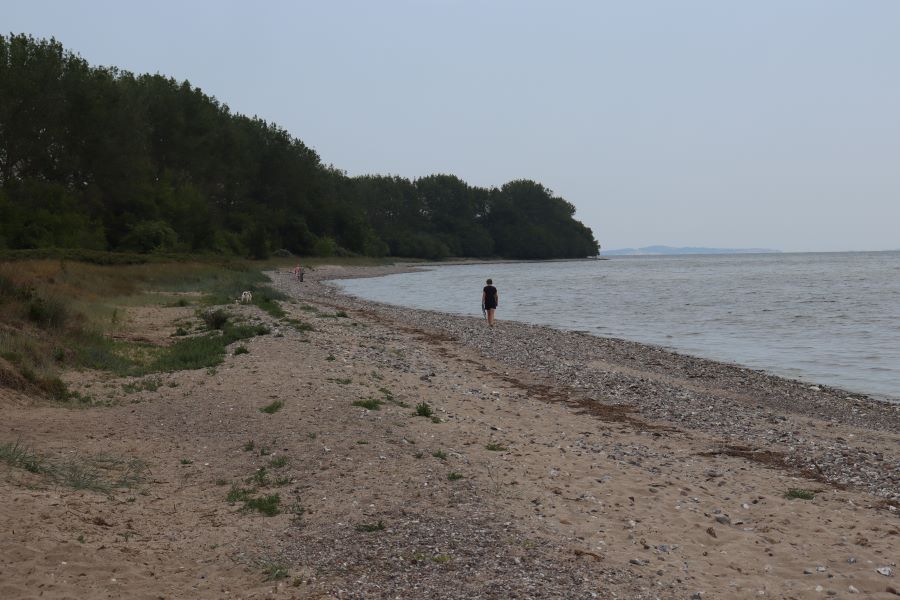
(828, 434)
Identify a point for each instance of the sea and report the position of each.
(822, 318)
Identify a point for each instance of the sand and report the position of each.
(528, 483)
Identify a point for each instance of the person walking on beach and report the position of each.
(490, 298)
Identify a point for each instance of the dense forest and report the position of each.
(99, 158)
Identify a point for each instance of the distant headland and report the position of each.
(667, 250)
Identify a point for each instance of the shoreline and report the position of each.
(853, 395)
(756, 413)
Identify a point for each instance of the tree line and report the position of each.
(101, 159)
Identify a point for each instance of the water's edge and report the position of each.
(332, 282)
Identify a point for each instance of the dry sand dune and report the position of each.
(518, 487)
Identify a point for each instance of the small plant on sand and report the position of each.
(241, 350)
(278, 462)
(272, 408)
(274, 571)
(423, 409)
(440, 454)
(801, 494)
(186, 461)
(362, 442)
(260, 477)
(150, 385)
(418, 455)
(441, 558)
(453, 476)
(249, 446)
(330, 357)
(369, 404)
(267, 505)
(370, 527)
(283, 481)
(239, 494)
(16, 455)
(300, 325)
(389, 397)
(496, 447)
(80, 475)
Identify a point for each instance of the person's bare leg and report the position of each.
(490, 317)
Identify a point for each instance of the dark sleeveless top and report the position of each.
(490, 296)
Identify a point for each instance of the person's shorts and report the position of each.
(490, 306)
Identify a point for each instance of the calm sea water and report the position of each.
(831, 318)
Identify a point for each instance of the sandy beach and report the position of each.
(422, 455)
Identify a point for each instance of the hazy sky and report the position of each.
(714, 123)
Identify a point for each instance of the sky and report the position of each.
(772, 123)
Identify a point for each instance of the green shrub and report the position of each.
(48, 312)
(267, 505)
(215, 319)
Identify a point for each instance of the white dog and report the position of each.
(246, 298)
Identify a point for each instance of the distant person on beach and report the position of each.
(490, 298)
(298, 272)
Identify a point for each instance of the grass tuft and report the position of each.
(799, 494)
(266, 505)
(423, 409)
(274, 571)
(370, 527)
(278, 462)
(496, 447)
(215, 319)
(239, 494)
(16, 455)
(453, 476)
(272, 408)
(369, 404)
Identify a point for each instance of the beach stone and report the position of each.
(886, 571)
